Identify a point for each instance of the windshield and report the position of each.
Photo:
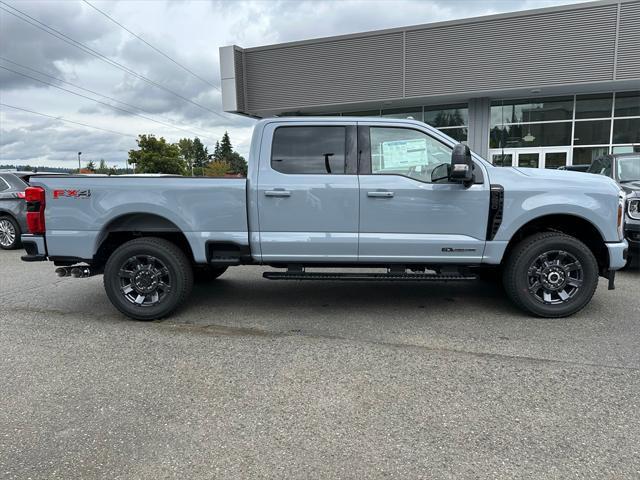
(628, 169)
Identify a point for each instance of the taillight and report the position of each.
(21, 195)
(35, 209)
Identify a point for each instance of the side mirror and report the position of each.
(461, 165)
(441, 172)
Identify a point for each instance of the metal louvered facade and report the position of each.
(628, 51)
(539, 49)
(576, 49)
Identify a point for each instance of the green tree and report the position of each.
(186, 149)
(200, 156)
(226, 149)
(216, 151)
(224, 152)
(237, 164)
(91, 166)
(217, 168)
(102, 167)
(155, 155)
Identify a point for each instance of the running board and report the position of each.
(381, 277)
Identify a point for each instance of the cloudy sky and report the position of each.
(188, 32)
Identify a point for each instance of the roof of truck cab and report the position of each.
(405, 121)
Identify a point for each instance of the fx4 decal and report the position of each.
(71, 194)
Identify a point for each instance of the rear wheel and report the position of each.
(9, 233)
(551, 275)
(148, 278)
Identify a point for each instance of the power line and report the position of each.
(68, 121)
(61, 36)
(151, 46)
(93, 99)
(100, 95)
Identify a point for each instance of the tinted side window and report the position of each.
(3, 184)
(309, 150)
(406, 152)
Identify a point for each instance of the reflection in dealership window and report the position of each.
(407, 152)
(586, 155)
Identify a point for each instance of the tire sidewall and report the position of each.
(16, 228)
(575, 303)
(176, 277)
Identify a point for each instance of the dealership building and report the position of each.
(538, 88)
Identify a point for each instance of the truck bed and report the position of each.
(82, 208)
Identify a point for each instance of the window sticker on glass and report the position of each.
(404, 153)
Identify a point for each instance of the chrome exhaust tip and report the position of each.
(62, 271)
(80, 272)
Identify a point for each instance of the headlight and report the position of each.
(633, 208)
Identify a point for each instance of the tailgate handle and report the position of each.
(380, 194)
(277, 192)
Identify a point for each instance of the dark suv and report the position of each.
(624, 168)
(13, 218)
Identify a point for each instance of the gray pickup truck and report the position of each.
(393, 196)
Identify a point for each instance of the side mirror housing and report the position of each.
(461, 165)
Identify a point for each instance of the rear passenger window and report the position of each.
(309, 150)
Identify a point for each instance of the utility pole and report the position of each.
(79, 166)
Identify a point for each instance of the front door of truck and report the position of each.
(307, 193)
(406, 216)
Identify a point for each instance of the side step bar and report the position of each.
(344, 276)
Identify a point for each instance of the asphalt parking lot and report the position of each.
(264, 379)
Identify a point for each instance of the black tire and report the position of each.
(205, 273)
(633, 263)
(152, 268)
(9, 233)
(545, 268)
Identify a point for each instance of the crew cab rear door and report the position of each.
(308, 192)
(405, 217)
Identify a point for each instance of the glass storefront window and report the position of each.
(364, 113)
(594, 106)
(537, 110)
(627, 104)
(447, 116)
(531, 135)
(586, 155)
(528, 160)
(626, 130)
(459, 134)
(500, 160)
(410, 113)
(555, 159)
(627, 149)
(592, 133)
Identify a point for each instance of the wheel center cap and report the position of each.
(145, 281)
(553, 278)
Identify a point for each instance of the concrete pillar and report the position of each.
(479, 124)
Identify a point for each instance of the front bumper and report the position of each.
(35, 247)
(618, 252)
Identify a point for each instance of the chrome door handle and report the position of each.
(383, 194)
(277, 193)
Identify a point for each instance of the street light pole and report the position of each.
(79, 166)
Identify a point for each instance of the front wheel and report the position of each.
(148, 278)
(551, 275)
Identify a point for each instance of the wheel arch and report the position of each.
(569, 224)
(132, 225)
